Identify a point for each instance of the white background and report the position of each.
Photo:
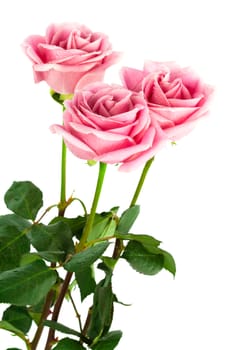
(187, 201)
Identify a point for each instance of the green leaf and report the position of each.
(36, 316)
(61, 328)
(52, 256)
(24, 199)
(148, 242)
(151, 245)
(36, 310)
(28, 258)
(127, 219)
(109, 262)
(109, 341)
(76, 225)
(120, 302)
(104, 226)
(86, 281)
(82, 260)
(19, 317)
(169, 262)
(13, 240)
(102, 311)
(13, 349)
(10, 328)
(142, 260)
(52, 238)
(26, 285)
(39, 306)
(68, 344)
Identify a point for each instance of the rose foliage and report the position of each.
(42, 263)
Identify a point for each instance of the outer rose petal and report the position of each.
(106, 141)
(61, 82)
(77, 147)
(132, 78)
(178, 131)
(88, 78)
(143, 157)
(30, 47)
(133, 152)
(97, 73)
(176, 115)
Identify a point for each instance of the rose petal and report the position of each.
(159, 141)
(143, 122)
(105, 141)
(163, 122)
(93, 45)
(192, 102)
(132, 78)
(89, 77)
(123, 130)
(159, 67)
(76, 146)
(153, 92)
(121, 155)
(177, 115)
(175, 89)
(63, 68)
(122, 102)
(75, 41)
(112, 122)
(61, 82)
(30, 47)
(178, 131)
(54, 54)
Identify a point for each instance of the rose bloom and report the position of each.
(111, 124)
(69, 53)
(176, 96)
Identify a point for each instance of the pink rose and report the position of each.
(176, 97)
(110, 124)
(69, 53)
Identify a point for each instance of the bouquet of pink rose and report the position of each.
(125, 125)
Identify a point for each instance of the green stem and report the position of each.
(63, 175)
(75, 310)
(91, 217)
(141, 181)
(107, 238)
(60, 98)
